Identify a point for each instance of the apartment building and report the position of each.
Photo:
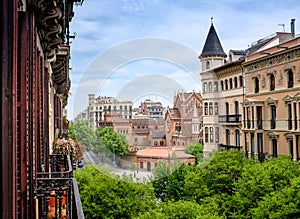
(251, 101)
(99, 106)
(151, 108)
(271, 109)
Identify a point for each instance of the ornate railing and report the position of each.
(56, 191)
(235, 118)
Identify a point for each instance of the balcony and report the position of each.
(228, 147)
(56, 191)
(230, 119)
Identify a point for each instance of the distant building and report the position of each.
(81, 116)
(152, 109)
(148, 158)
(183, 122)
(99, 106)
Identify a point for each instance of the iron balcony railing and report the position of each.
(57, 192)
(235, 118)
(228, 147)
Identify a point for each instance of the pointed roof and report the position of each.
(212, 44)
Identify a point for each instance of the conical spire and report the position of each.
(212, 44)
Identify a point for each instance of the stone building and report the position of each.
(152, 109)
(183, 124)
(99, 106)
(243, 95)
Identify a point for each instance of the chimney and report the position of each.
(293, 27)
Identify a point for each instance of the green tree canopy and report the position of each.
(105, 195)
(195, 149)
(83, 133)
(114, 142)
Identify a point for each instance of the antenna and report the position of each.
(282, 27)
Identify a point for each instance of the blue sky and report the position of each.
(138, 49)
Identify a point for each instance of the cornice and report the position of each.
(273, 60)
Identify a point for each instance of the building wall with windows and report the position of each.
(99, 106)
(271, 109)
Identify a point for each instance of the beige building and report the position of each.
(251, 101)
(99, 106)
(211, 57)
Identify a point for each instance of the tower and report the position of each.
(212, 56)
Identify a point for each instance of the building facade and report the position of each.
(251, 101)
(99, 106)
(35, 84)
(211, 57)
(152, 109)
(271, 107)
(182, 122)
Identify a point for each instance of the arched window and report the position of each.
(226, 84)
(207, 65)
(237, 137)
(230, 83)
(222, 85)
(227, 137)
(256, 85)
(290, 77)
(272, 82)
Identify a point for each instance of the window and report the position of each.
(210, 87)
(226, 84)
(211, 134)
(205, 108)
(290, 123)
(205, 87)
(222, 85)
(274, 147)
(216, 108)
(236, 106)
(259, 116)
(273, 117)
(290, 77)
(260, 146)
(206, 134)
(241, 81)
(237, 137)
(141, 165)
(207, 65)
(227, 108)
(230, 83)
(235, 82)
(217, 134)
(210, 108)
(216, 86)
(272, 82)
(227, 137)
(256, 85)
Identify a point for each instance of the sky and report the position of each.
(141, 49)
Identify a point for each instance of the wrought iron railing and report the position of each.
(56, 191)
(235, 118)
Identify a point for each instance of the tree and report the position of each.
(114, 143)
(181, 210)
(105, 195)
(84, 134)
(195, 149)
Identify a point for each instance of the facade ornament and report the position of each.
(298, 74)
(263, 81)
(280, 79)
